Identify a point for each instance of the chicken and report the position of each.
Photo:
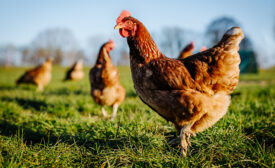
(192, 93)
(187, 50)
(75, 73)
(105, 81)
(40, 75)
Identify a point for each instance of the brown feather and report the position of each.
(40, 75)
(75, 73)
(186, 91)
(105, 81)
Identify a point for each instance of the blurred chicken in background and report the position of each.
(75, 73)
(39, 76)
(105, 81)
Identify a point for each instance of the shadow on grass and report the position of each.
(131, 93)
(31, 137)
(66, 92)
(262, 132)
(15, 87)
(27, 103)
(235, 94)
(6, 87)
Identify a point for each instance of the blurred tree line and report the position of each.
(218, 27)
(174, 39)
(62, 46)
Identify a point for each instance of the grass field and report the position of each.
(63, 127)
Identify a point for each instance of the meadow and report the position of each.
(63, 127)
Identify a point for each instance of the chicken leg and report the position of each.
(115, 107)
(40, 88)
(185, 134)
(104, 113)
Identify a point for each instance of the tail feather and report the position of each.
(232, 39)
(227, 70)
(21, 80)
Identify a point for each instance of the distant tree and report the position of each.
(59, 55)
(79, 55)
(60, 44)
(8, 55)
(120, 55)
(95, 43)
(218, 27)
(25, 55)
(172, 40)
(246, 44)
(40, 54)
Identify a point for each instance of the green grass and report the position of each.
(63, 127)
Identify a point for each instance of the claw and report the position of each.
(185, 135)
(183, 152)
(188, 140)
(104, 113)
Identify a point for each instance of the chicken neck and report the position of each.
(100, 57)
(142, 46)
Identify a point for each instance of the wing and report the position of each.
(169, 74)
(211, 71)
(69, 72)
(30, 75)
(172, 74)
(95, 77)
(110, 73)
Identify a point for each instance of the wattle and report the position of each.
(124, 33)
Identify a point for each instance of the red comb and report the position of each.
(111, 43)
(122, 15)
(192, 43)
(191, 46)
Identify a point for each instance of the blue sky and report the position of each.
(22, 20)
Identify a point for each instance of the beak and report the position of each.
(118, 26)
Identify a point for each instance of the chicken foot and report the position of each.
(185, 134)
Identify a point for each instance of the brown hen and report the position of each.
(193, 93)
(105, 81)
(40, 75)
(75, 73)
